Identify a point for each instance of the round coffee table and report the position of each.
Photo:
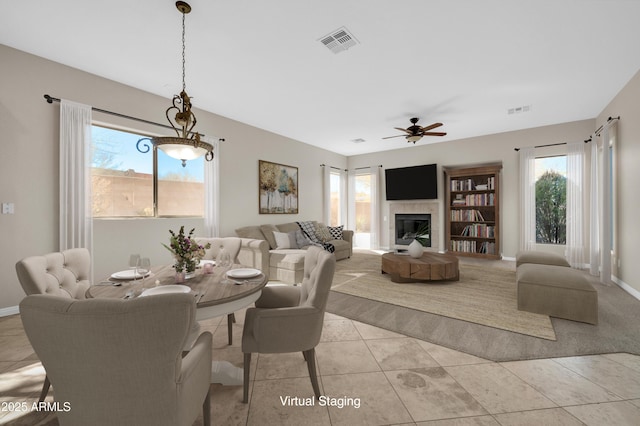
(429, 267)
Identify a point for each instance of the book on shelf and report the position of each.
(478, 230)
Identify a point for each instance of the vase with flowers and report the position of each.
(186, 252)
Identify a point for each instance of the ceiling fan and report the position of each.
(414, 132)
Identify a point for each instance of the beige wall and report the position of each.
(627, 105)
(29, 167)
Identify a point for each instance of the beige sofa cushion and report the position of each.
(251, 232)
(288, 227)
(292, 259)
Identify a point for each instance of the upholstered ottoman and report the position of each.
(541, 258)
(287, 265)
(556, 291)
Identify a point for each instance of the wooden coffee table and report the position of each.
(429, 267)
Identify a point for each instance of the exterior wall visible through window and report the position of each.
(123, 179)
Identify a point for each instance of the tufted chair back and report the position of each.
(230, 244)
(120, 362)
(319, 268)
(289, 319)
(64, 274)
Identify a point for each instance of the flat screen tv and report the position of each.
(412, 183)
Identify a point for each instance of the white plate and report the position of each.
(205, 261)
(129, 274)
(244, 273)
(164, 289)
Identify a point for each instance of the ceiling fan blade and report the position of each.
(432, 126)
(402, 130)
(434, 134)
(397, 136)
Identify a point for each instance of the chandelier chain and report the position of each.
(183, 55)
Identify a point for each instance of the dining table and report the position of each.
(217, 292)
(213, 296)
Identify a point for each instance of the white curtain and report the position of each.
(351, 201)
(527, 199)
(326, 194)
(601, 202)
(344, 199)
(76, 226)
(594, 208)
(575, 204)
(374, 241)
(212, 191)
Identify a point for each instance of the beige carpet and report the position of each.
(485, 296)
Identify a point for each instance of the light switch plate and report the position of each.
(7, 208)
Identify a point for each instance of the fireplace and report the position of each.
(406, 226)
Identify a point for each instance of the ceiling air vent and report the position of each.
(519, 110)
(339, 40)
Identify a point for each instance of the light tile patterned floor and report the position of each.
(396, 380)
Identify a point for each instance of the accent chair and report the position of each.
(63, 274)
(120, 362)
(232, 246)
(289, 319)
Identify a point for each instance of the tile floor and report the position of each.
(381, 378)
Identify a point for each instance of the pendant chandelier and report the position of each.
(187, 144)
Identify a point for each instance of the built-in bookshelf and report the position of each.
(472, 213)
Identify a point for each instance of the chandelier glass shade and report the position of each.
(186, 145)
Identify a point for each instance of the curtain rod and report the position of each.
(597, 132)
(551, 144)
(331, 167)
(51, 100)
(337, 168)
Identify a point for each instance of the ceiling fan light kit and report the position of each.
(415, 132)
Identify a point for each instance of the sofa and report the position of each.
(546, 284)
(286, 246)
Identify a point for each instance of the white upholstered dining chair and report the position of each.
(63, 274)
(289, 319)
(120, 362)
(232, 246)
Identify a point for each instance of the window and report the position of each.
(551, 199)
(123, 179)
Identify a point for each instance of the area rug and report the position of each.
(616, 331)
(483, 295)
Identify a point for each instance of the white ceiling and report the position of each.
(460, 62)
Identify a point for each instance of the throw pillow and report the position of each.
(309, 229)
(285, 240)
(323, 234)
(301, 240)
(268, 231)
(336, 231)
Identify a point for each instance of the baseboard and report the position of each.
(11, 310)
(626, 287)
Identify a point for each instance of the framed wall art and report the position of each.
(277, 188)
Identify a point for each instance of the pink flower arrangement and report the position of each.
(186, 251)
